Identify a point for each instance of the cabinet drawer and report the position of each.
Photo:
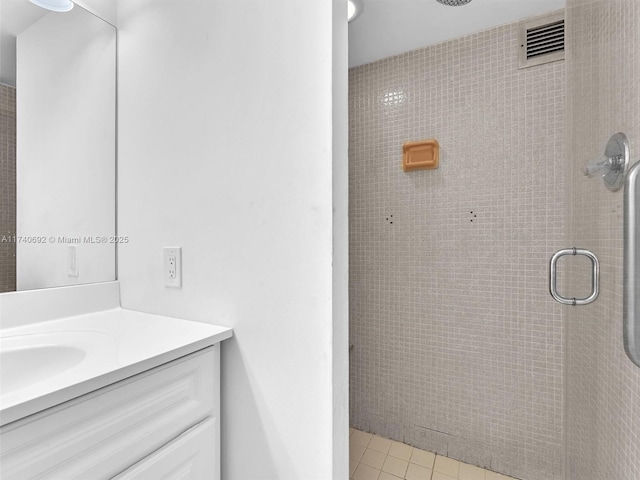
(188, 457)
(101, 434)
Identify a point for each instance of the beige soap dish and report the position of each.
(424, 155)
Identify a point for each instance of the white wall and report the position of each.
(105, 9)
(225, 148)
(340, 243)
(65, 148)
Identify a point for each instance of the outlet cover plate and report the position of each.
(173, 267)
(72, 261)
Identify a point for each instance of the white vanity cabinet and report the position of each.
(160, 424)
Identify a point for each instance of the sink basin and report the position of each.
(26, 366)
(44, 364)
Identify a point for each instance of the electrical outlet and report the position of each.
(173, 267)
(72, 260)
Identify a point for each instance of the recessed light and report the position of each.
(354, 9)
(54, 5)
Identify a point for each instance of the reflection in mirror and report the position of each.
(58, 128)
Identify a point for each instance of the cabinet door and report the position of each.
(100, 434)
(193, 456)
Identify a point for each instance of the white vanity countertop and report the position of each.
(73, 356)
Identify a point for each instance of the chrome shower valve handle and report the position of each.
(604, 166)
(615, 163)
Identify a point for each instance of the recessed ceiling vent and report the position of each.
(542, 40)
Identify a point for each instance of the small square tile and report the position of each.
(361, 438)
(471, 472)
(416, 472)
(442, 476)
(365, 472)
(373, 459)
(380, 444)
(356, 452)
(401, 451)
(388, 476)
(496, 476)
(395, 466)
(423, 458)
(378, 185)
(352, 467)
(446, 465)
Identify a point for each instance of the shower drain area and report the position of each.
(372, 457)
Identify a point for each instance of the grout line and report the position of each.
(409, 462)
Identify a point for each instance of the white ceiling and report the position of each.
(389, 27)
(15, 17)
(18, 15)
(385, 27)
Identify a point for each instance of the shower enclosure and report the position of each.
(602, 384)
(457, 346)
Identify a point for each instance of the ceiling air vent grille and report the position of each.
(542, 40)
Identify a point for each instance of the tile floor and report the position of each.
(375, 458)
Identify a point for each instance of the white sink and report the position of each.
(33, 361)
(44, 364)
(25, 366)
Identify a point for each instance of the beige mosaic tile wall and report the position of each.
(7, 187)
(457, 346)
(603, 386)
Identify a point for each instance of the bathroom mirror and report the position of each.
(57, 171)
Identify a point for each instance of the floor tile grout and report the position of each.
(431, 467)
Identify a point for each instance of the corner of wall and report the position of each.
(340, 293)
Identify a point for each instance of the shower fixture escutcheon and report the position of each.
(615, 163)
(453, 3)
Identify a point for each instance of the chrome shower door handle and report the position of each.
(595, 281)
(631, 275)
